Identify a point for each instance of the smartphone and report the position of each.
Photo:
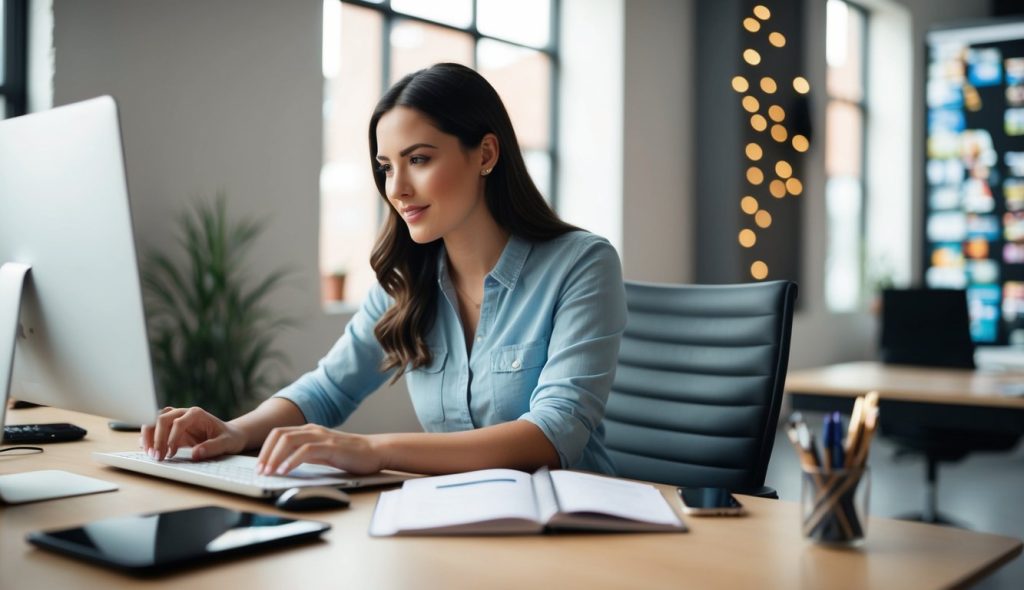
(148, 543)
(710, 502)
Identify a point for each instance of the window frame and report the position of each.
(14, 86)
(389, 16)
(862, 179)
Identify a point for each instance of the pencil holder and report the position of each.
(834, 505)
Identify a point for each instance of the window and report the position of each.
(13, 27)
(367, 46)
(845, 123)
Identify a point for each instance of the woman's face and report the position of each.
(433, 183)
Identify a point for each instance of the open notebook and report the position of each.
(506, 501)
(237, 473)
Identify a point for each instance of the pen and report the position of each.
(835, 443)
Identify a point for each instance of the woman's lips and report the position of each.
(413, 214)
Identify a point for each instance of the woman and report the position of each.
(505, 320)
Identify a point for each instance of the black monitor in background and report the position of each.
(927, 327)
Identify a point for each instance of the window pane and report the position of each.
(457, 13)
(523, 79)
(845, 51)
(842, 264)
(525, 21)
(844, 139)
(416, 45)
(349, 203)
(539, 166)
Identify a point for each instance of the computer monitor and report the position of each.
(926, 327)
(72, 326)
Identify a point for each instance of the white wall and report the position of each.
(658, 141)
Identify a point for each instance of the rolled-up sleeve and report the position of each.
(348, 373)
(569, 401)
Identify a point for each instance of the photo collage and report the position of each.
(974, 211)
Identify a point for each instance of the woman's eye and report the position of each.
(384, 168)
(418, 160)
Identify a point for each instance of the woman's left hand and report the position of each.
(288, 447)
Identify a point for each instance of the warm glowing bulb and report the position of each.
(754, 175)
(747, 238)
(800, 143)
(758, 122)
(779, 133)
(801, 85)
(751, 24)
(794, 186)
(750, 104)
(762, 12)
(749, 205)
(776, 39)
(739, 84)
(783, 169)
(775, 113)
(777, 188)
(768, 85)
(751, 56)
(754, 151)
(763, 218)
(759, 270)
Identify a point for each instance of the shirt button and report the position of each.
(479, 338)
(516, 364)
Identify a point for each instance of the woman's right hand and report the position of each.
(208, 435)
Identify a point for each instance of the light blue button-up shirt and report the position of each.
(545, 351)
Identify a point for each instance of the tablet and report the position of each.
(150, 543)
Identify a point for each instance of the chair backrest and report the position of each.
(696, 396)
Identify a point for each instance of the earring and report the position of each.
(485, 171)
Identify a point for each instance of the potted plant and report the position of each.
(211, 330)
(333, 284)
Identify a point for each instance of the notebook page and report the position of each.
(462, 498)
(581, 492)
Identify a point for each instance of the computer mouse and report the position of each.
(312, 498)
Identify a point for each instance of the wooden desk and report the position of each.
(942, 398)
(764, 549)
(910, 384)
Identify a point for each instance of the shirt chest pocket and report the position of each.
(515, 370)
(426, 387)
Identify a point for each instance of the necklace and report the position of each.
(463, 294)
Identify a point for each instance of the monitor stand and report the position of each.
(30, 486)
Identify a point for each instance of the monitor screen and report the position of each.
(974, 208)
(78, 324)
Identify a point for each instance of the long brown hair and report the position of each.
(459, 102)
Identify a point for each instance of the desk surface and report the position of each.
(763, 549)
(914, 384)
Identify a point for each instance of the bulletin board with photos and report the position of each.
(974, 210)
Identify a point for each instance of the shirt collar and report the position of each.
(506, 271)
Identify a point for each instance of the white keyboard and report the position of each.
(237, 473)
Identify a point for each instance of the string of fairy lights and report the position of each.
(768, 118)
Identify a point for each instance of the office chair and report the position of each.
(930, 327)
(696, 396)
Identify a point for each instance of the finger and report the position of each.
(286, 444)
(180, 430)
(162, 430)
(310, 452)
(265, 450)
(208, 449)
(146, 439)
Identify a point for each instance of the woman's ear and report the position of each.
(489, 152)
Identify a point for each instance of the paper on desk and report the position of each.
(580, 492)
